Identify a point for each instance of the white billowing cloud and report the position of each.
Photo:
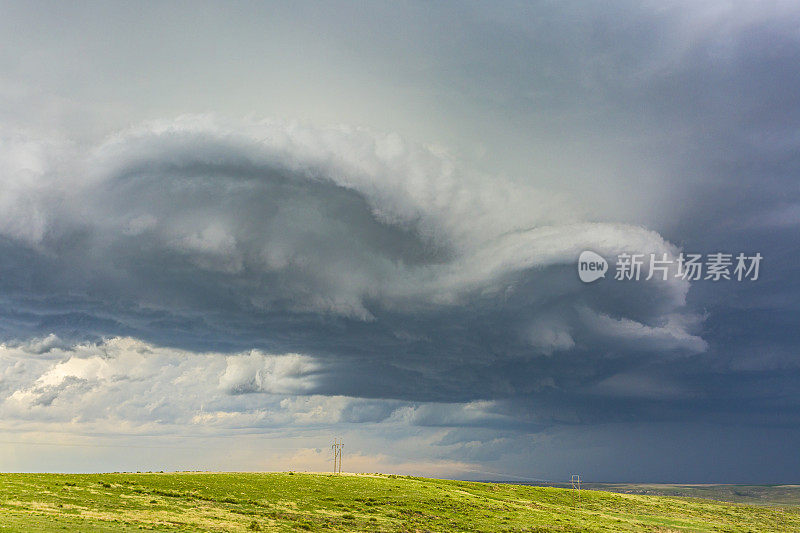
(124, 381)
(257, 372)
(280, 217)
(316, 409)
(673, 334)
(127, 378)
(42, 345)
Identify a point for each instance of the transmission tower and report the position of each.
(337, 455)
(575, 481)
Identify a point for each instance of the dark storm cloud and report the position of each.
(362, 251)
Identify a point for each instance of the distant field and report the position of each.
(775, 495)
(368, 502)
(750, 494)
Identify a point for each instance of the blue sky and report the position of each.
(231, 232)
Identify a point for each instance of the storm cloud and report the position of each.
(337, 243)
(393, 255)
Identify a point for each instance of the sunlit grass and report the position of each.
(316, 502)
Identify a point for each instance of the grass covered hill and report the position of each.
(365, 502)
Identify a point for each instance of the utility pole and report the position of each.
(337, 455)
(575, 481)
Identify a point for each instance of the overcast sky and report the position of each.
(232, 231)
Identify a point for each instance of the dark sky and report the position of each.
(242, 230)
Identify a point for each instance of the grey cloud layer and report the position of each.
(307, 230)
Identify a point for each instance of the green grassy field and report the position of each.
(771, 495)
(368, 502)
(749, 494)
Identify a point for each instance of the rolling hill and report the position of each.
(351, 502)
